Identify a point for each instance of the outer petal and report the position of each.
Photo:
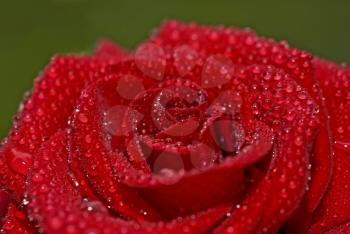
(343, 228)
(58, 207)
(107, 50)
(335, 207)
(5, 201)
(95, 162)
(46, 110)
(17, 222)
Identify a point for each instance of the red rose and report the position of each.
(200, 130)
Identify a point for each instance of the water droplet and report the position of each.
(230, 229)
(88, 139)
(217, 71)
(129, 86)
(284, 193)
(290, 115)
(167, 172)
(292, 185)
(20, 161)
(55, 223)
(185, 58)
(345, 146)
(43, 188)
(202, 156)
(113, 120)
(228, 135)
(340, 130)
(25, 202)
(283, 178)
(95, 206)
(8, 225)
(150, 59)
(37, 177)
(298, 141)
(82, 118)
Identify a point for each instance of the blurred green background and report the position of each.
(31, 31)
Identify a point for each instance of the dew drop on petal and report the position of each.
(55, 223)
(345, 146)
(228, 135)
(82, 118)
(185, 58)
(217, 71)
(340, 130)
(95, 206)
(129, 86)
(8, 226)
(114, 119)
(151, 60)
(37, 177)
(25, 202)
(20, 161)
(298, 141)
(168, 161)
(202, 156)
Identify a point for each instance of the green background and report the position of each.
(31, 31)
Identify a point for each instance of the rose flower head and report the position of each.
(200, 129)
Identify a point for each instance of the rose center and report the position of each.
(178, 127)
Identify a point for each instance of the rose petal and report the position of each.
(180, 196)
(334, 82)
(93, 155)
(16, 221)
(169, 110)
(291, 137)
(5, 200)
(185, 59)
(42, 114)
(107, 50)
(78, 215)
(343, 228)
(151, 60)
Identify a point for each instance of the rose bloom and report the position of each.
(199, 130)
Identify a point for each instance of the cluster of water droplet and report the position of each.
(194, 110)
